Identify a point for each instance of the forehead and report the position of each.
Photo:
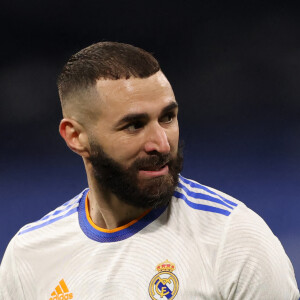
(134, 94)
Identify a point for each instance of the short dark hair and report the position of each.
(107, 60)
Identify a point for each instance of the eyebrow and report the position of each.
(169, 107)
(144, 116)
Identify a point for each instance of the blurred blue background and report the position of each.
(235, 70)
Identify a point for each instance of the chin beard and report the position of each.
(154, 192)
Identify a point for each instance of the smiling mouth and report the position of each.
(154, 172)
(153, 168)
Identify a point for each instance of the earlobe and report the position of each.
(75, 136)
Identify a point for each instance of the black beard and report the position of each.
(125, 184)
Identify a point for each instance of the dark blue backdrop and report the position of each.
(235, 69)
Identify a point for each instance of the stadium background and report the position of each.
(235, 69)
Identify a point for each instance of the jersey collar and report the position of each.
(121, 233)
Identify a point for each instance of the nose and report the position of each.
(157, 140)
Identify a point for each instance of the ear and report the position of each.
(75, 136)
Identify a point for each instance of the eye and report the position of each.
(132, 127)
(167, 118)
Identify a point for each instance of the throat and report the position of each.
(112, 215)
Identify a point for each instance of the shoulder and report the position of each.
(46, 227)
(204, 198)
(207, 207)
(237, 223)
(215, 203)
(250, 262)
(33, 242)
(203, 212)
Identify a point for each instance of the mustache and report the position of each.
(152, 162)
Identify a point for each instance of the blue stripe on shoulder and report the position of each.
(57, 211)
(60, 210)
(200, 186)
(201, 196)
(202, 206)
(49, 222)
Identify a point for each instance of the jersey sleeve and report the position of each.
(251, 262)
(10, 285)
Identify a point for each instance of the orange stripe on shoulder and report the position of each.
(87, 212)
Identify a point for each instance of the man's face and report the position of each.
(134, 144)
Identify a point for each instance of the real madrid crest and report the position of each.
(164, 285)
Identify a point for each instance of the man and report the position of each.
(141, 230)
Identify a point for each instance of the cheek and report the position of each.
(174, 138)
(124, 151)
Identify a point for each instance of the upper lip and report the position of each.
(153, 168)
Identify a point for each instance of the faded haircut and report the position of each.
(104, 60)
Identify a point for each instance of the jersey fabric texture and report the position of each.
(204, 245)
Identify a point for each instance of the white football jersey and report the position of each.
(204, 245)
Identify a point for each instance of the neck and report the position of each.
(107, 210)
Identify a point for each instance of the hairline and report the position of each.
(92, 89)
